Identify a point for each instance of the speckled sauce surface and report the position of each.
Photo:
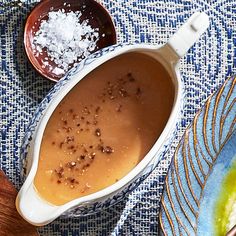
(204, 69)
(87, 144)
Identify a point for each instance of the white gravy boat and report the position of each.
(39, 212)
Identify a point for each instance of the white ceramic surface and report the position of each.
(39, 212)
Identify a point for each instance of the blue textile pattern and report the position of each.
(205, 67)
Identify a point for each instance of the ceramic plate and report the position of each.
(201, 183)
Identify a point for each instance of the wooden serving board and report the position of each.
(11, 223)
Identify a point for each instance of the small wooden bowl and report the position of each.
(96, 14)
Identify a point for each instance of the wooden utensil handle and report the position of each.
(11, 223)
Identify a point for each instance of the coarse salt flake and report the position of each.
(66, 39)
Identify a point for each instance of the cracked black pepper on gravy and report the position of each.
(104, 127)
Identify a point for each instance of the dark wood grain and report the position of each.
(11, 223)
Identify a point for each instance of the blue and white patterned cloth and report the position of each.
(204, 69)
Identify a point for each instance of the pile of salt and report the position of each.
(66, 40)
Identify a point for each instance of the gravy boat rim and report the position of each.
(59, 97)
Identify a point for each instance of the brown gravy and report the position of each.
(104, 127)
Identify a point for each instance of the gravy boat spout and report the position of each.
(29, 202)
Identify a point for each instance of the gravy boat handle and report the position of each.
(187, 35)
